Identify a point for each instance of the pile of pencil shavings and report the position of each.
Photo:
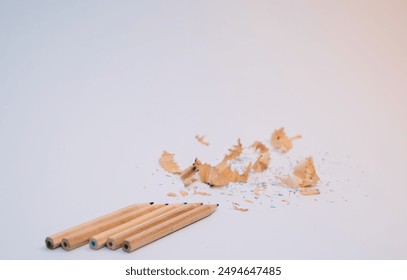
(303, 177)
(132, 227)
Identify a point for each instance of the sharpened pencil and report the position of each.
(156, 232)
(99, 240)
(116, 241)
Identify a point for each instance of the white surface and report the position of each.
(92, 92)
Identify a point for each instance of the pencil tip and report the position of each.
(217, 204)
(151, 203)
(166, 203)
(185, 202)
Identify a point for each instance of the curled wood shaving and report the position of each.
(309, 191)
(172, 194)
(281, 142)
(234, 152)
(221, 175)
(263, 159)
(304, 175)
(236, 206)
(259, 146)
(168, 164)
(187, 175)
(249, 201)
(183, 193)
(201, 139)
(212, 176)
(202, 193)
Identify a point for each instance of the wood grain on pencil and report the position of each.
(99, 240)
(54, 241)
(171, 225)
(82, 236)
(116, 241)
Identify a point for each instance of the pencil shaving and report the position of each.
(172, 194)
(304, 175)
(201, 139)
(263, 159)
(221, 175)
(168, 163)
(236, 207)
(280, 141)
(234, 152)
(187, 175)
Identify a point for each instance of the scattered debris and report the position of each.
(236, 167)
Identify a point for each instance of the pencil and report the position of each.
(81, 237)
(54, 241)
(99, 240)
(156, 232)
(116, 241)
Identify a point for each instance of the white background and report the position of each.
(91, 92)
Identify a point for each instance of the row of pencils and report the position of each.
(132, 227)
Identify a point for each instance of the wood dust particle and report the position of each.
(309, 191)
(236, 207)
(183, 193)
(202, 193)
(201, 139)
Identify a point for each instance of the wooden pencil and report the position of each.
(81, 237)
(54, 241)
(99, 240)
(116, 241)
(145, 237)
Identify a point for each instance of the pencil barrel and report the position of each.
(116, 241)
(82, 237)
(169, 226)
(54, 241)
(99, 240)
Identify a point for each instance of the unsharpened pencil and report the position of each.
(81, 237)
(116, 241)
(54, 241)
(156, 232)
